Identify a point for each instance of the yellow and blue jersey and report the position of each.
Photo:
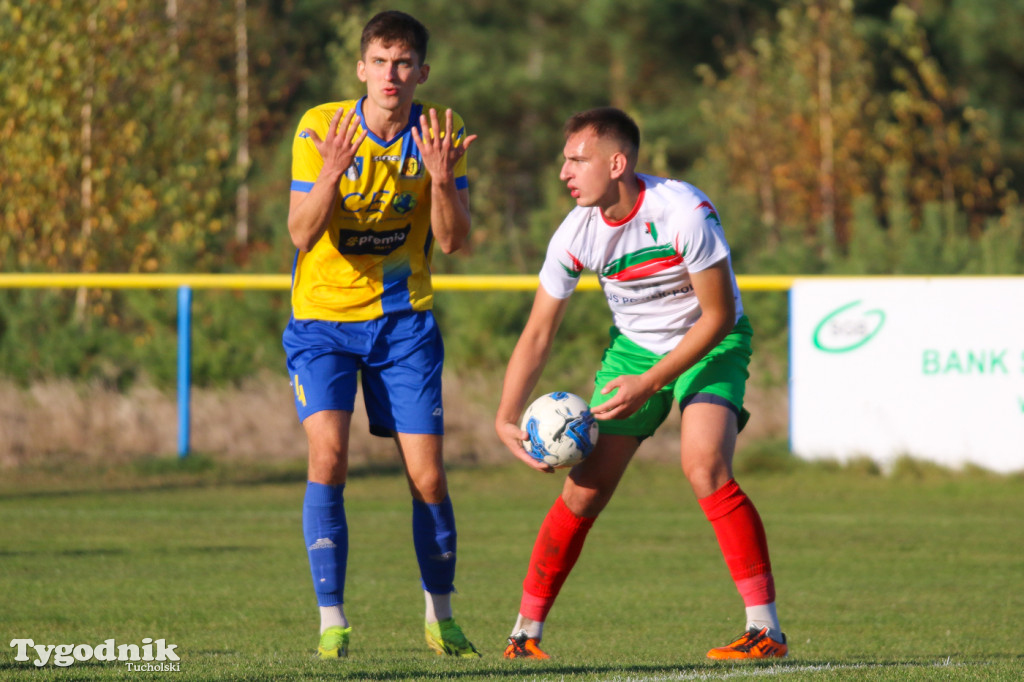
(374, 257)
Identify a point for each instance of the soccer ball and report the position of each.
(561, 427)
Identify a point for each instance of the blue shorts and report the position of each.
(399, 356)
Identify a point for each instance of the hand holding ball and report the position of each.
(561, 428)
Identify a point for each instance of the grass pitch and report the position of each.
(915, 575)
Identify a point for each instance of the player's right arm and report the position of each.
(524, 369)
(310, 212)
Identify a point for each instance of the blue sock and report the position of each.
(434, 537)
(326, 532)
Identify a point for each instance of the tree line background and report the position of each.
(841, 137)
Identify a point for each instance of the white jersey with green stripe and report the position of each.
(643, 261)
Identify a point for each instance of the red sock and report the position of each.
(555, 552)
(741, 536)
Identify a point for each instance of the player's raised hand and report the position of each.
(631, 392)
(439, 150)
(339, 146)
(513, 436)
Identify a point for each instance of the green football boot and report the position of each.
(446, 638)
(333, 643)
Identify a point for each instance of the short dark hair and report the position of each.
(392, 27)
(608, 122)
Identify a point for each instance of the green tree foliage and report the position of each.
(790, 128)
(834, 135)
(115, 155)
(516, 71)
(117, 146)
(803, 133)
(947, 145)
(977, 45)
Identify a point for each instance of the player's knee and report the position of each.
(329, 468)
(706, 477)
(586, 502)
(430, 487)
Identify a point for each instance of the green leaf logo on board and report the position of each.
(846, 329)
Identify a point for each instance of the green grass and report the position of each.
(911, 576)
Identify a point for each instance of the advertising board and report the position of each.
(927, 367)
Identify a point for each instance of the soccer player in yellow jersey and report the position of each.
(376, 182)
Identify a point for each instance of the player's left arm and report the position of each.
(713, 288)
(524, 369)
(441, 153)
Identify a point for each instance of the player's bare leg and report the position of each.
(327, 432)
(434, 538)
(423, 457)
(587, 490)
(708, 442)
(590, 484)
(324, 524)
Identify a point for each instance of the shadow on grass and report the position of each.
(170, 473)
(66, 553)
(117, 551)
(166, 473)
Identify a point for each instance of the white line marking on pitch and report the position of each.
(776, 670)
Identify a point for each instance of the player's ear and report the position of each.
(361, 70)
(618, 165)
(424, 72)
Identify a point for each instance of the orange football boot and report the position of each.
(751, 644)
(521, 646)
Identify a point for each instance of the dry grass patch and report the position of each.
(59, 420)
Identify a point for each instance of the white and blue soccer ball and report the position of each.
(561, 427)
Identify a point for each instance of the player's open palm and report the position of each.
(339, 146)
(439, 150)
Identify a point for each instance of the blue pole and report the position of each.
(184, 367)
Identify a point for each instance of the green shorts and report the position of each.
(722, 373)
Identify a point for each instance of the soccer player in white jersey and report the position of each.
(679, 337)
